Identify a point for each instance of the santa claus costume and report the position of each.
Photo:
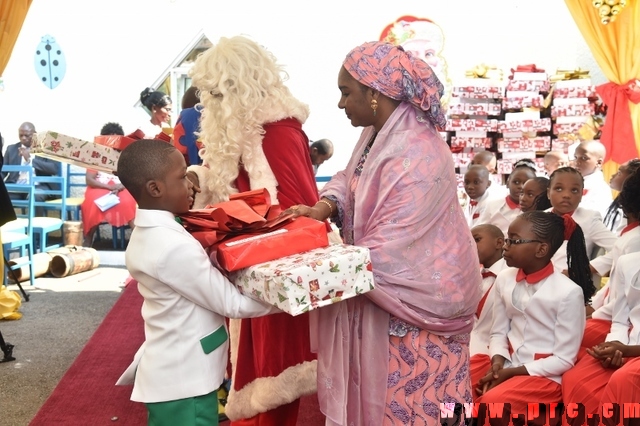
(252, 134)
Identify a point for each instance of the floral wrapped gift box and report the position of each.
(302, 282)
(75, 151)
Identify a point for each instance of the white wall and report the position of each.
(114, 49)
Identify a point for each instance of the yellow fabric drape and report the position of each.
(616, 49)
(12, 14)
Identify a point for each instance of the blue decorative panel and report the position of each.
(49, 62)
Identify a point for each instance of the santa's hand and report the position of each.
(195, 182)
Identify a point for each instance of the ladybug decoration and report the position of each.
(49, 62)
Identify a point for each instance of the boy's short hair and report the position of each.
(492, 230)
(142, 161)
(482, 171)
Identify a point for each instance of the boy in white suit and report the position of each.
(597, 194)
(182, 362)
(489, 240)
(476, 185)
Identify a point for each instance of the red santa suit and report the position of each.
(273, 364)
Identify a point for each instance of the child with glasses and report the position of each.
(538, 314)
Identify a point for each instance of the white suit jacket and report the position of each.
(597, 193)
(602, 301)
(625, 289)
(472, 213)
(497, 212)
(185, 303)
(479, 343)
(629, 242)
(545, 337)
(595, 234)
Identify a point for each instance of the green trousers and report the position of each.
(197, 411)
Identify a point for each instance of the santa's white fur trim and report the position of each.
(267, 393)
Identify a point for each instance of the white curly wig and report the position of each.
(241, 88)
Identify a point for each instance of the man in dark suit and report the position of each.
(20, 154)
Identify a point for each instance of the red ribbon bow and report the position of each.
(525, 68)
(617, 97)
(569, 226)
(473, 203)
(487, 273)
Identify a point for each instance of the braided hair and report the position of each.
(566, 169)
(542, 202)
(629, 197)
(613, 212)
(549, 227)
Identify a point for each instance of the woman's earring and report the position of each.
(374, 106)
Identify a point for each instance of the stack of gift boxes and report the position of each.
(524, 132)
(472, 121)
(573, 105)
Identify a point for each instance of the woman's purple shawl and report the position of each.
(424, 260)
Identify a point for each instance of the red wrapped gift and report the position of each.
(248, 216)
(300, 235)
(114, 141)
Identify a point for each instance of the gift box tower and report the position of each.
(472, 118)
(574, 104)
(526, 125)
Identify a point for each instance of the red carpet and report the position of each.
(87, 395)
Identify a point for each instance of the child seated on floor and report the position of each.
(476, 183)
(600, 311)
(501, 211)
(489, 240)
(597, 195)
(554, 160)
(538, 314)
(534, 195)
(609, 374)
(614, 218)
(565, 193)
(183, 359)
(489, 161)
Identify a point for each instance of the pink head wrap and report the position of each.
(399, 75)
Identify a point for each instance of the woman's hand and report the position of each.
(302, 210)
